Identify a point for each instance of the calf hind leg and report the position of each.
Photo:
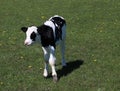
(62, 46)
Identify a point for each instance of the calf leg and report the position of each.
(45, 74)
(46, 57)
(52, 62)
(62, 46)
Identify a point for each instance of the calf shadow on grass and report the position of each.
(71, 66)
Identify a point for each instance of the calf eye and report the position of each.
(33, 36)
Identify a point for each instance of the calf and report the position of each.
(51, 33)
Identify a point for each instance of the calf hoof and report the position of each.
(45, 74)
(45, 77)
(55, 78)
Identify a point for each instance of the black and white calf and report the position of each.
(51, 33)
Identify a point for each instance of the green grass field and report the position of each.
(92, 45)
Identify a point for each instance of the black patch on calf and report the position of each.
(33, 36)
(58, 22)
(47, 37)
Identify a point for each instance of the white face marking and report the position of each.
(28, 40)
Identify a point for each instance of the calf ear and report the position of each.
(24, 29)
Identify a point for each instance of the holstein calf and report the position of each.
(51, 33)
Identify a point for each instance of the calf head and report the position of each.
(31, 33)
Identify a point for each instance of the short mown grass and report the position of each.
(92, 45)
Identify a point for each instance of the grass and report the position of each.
(92, 46)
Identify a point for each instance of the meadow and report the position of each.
(92, 45)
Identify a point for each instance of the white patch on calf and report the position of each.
(56, 16)
(50, 24)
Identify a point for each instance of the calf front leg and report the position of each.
(46, 57)
(52, 62)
